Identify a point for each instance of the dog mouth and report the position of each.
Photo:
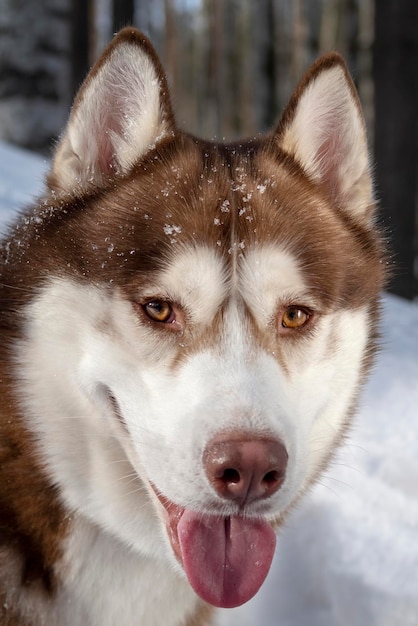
(226, 559)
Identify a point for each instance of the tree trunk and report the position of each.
(80, 42)
(35, 78)
(214, 13)
(123, 14)
(396, 131)
(264, 63)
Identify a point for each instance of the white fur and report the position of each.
(108, 584)
(198, 281)
(270, 277)
(81, 340)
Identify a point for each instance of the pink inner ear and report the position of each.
(106, 127)
(330, 155)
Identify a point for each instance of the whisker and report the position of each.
(17, 288)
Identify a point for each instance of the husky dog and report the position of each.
(185, 326)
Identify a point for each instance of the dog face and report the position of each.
(204, 315)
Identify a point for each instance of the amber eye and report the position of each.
(159, 311)
(295, 317)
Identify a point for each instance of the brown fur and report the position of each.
(32, 522)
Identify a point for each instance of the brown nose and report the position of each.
(243, 468)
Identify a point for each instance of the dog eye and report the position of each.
(295, 317)
(159, 311)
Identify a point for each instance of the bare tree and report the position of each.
(215, 52)
(396, 131)
(122, 13)
(170, 41)
(264, 63)
(34, 71)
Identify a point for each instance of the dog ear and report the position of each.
(121, 111)
(324, 131)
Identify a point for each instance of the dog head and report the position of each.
(205, 315)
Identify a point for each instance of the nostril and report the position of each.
(272, 478)
(230, 475)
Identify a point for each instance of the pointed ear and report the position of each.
(323, 129)
(121, 111)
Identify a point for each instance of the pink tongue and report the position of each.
(225, 560)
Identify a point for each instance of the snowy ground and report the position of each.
(349, 553)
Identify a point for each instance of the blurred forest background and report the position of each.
(232, 65)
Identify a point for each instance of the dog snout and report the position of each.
(243, 468)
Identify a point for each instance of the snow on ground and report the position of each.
(21, 179)
(349, 554)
